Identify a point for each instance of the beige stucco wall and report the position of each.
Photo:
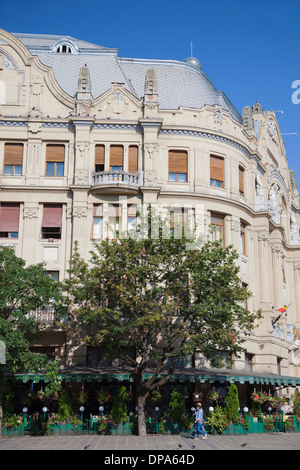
(270, 245)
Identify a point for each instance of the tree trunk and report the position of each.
(2, 386)
(142, 430)
(140, 393)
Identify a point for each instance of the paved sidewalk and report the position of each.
(107, 444)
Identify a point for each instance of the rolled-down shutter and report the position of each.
(9, 217)
(52, 215)
(55, 153)
(116, 155)
(99, 154)
(217, 168)
(13, 154)
(133, 159)
(178, 161)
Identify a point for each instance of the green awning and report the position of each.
(81, 374)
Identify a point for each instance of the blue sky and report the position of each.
(250, 50)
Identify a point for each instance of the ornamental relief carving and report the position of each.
(30, 212)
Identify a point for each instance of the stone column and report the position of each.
(277, 276)
(264, 268)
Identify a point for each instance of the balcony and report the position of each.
(116, 181)
(45, 318)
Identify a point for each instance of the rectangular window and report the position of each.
(9, 220)
(178, 165)
(97, 222)
(249, 362)
(133, 159)
(55, 158)
(52, 220)
(243, 238)
(116, 157)
(217, 227)
(245, 304)
(241, 181)
(13, 159)
(217, 171)
(114, 220)
(99, 157)
(131, 218)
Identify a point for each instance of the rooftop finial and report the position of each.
(191, 48)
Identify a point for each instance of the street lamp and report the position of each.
(45, 409)
(246, 411)
(269, 410)
(81, 409)
(101, 408)
(24, 411)
(211, 409)
(157, 410)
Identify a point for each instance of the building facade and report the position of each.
(86, 137)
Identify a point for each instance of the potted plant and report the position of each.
(103, 397)
(119, 412)
(155, 396)
(217, 420)
(82, 397)
(176, 410)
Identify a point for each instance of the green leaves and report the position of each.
(159, 297)
(23, 290)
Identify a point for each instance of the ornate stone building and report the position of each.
(86, 136)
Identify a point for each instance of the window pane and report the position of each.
(50, 169)
(181, 177)
(8, 169)
(219, 184)
(59, 168)
(97, 231)
(172, 177)
(131, 223)
(116, 168)
(14, 234)
(18, 170)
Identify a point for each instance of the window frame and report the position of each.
(221, 217)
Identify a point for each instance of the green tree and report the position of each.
(232, 404)
(163, 296)
(22, 290)
(177, 406)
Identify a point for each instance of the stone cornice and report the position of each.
(30, 189)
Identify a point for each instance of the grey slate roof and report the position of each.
(179, 83)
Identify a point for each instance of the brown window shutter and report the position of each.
(133, 159)
(241, 180)
(97, 210)
(99, 154)
(55, 153)
(217, 168)
(13, 154)
(114, 210)
(52, 215)
(116, 155)
(9, 217)
(178, 161)
(132, 210)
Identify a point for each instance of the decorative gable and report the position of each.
(118, 103)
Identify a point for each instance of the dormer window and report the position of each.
(64, 49)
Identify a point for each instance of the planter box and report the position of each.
(121, 429)
(61, 429)
(14, 432)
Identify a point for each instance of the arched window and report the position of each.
(64, 49)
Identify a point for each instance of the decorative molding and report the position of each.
(208, 135)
